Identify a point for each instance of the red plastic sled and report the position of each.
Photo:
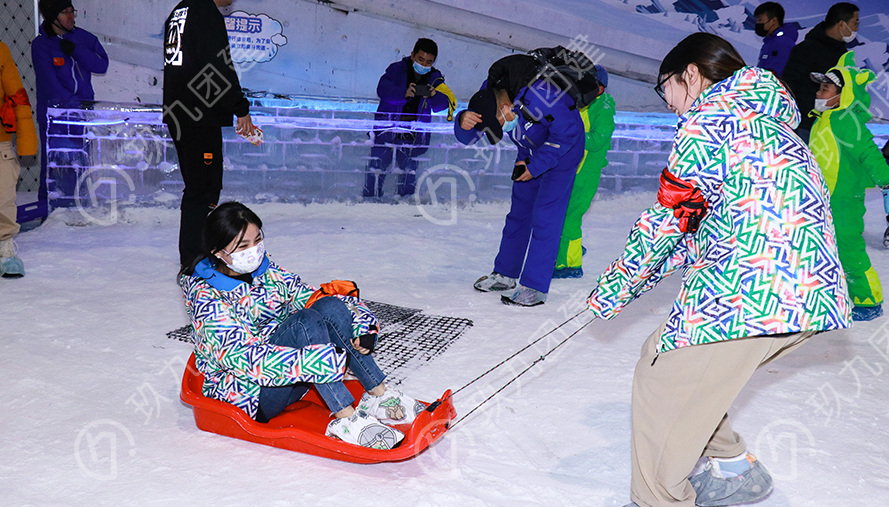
(301, 426)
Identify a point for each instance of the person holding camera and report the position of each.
(409, 91)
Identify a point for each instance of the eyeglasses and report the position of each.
(69, 12)
(659, 88)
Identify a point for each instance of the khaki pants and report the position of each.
(9, 178)
(679, 410)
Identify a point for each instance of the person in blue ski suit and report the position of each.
(65, 57)
(544, 124)
(778, 38)
(400, 102)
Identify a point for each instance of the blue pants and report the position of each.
(534, 225)
(327, 321)
(413, 144)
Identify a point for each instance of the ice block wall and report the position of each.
(314, 151)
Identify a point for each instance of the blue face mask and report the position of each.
(510, 125)
(419, 69)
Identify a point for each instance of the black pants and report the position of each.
(200, 161)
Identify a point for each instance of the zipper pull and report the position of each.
(655, 358)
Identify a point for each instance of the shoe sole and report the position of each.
(505, 300)
(493, 290)
(378, 436)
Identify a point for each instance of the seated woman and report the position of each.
(259, 347)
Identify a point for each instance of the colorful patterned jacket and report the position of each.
(764, 260)
(233, 322)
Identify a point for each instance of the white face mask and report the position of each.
(246, 261)
(850, 38)
(821, 104)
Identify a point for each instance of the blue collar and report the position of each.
(206, 270)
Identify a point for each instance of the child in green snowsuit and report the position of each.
(851, 163)
(598, 122)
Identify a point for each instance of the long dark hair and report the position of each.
(715, 58)
(226, 222)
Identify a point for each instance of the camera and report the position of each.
(423, 90)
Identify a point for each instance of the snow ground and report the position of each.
(91, 414)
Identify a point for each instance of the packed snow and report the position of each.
(91, 414)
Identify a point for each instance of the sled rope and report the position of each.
(501, 363)
(539, 359)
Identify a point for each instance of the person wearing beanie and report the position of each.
(15, 113)
(598, 123)
(851, 163)
(65, 57)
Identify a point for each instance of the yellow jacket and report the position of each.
(26, 136)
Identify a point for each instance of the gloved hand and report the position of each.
(368, 341)
(67, 47)
(686, 201)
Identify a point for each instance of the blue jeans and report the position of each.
(329, 320)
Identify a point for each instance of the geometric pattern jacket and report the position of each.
(233, 322)
(764, 260)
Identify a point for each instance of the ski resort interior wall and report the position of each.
(316, 150)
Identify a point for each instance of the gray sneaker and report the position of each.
(495, 282)
(524, 296)
(714, 490)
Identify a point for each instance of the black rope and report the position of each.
(539, 359)
(498, 365)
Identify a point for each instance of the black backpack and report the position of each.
(572, 71)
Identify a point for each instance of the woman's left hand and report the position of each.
(356, 343)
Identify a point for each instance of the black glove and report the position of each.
(368, 341)
(67, 47)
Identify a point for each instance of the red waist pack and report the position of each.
(686, 201)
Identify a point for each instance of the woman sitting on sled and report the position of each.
(260, 346)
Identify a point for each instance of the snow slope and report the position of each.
(91, 414)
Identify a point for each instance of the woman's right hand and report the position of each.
(356, 344)
(469, 119)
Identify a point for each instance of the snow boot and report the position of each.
(10, 265)
(365, 430)
(524, 296)
(866, 313)
(392, 407)
(495, 282)
(714, 489)
(568, 272)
